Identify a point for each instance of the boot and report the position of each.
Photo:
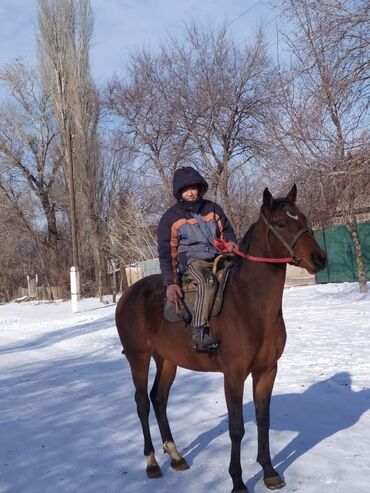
(202, 341)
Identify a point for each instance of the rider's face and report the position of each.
(189, 194)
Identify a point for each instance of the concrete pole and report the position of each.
(75, 288)
(74, 272)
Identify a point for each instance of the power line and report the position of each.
(251, 8)
(243, 13)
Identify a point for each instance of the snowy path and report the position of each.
(68, 419)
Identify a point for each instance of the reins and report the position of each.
(221, 245)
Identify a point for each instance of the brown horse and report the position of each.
(251, 329)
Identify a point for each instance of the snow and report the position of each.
(68, 417)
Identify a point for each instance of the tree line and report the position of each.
(86, 172)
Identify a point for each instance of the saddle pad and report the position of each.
(183, 310)
(180, 311)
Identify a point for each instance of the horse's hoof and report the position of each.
(154, 472)
(179, 465)
(274, 483)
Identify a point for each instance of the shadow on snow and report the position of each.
(58, 335)
(324, 409)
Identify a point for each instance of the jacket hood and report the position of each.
(187, 177)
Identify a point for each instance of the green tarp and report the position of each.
(338, 244)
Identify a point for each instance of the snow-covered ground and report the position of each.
(69, 424)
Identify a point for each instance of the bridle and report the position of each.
(221, 245)
(288, 245)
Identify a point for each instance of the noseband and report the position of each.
(288, 245)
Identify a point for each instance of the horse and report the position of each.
(250, 327)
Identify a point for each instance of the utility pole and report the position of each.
(113, 268)
(74, 271)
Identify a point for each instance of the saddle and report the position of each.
(182, 310)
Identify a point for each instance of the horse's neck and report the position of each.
(263, 278)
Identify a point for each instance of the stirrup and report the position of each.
(209, 348)
(202, 341)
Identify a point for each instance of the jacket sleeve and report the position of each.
(227, 229)
(165, 253)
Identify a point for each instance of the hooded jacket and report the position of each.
(187, 229)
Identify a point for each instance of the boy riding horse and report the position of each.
(186, 234)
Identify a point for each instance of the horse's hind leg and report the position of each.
(140, 369)
(262, 388)
(165, 376)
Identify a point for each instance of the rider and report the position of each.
(185, 244)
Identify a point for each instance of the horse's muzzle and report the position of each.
(318, 260)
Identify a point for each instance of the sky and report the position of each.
(68, 417)
(122, 26)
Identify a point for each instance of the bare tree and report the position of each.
(128, 206)
(148, 117)
(321, 127)
(65, 31)
(227, 102)
(199, 102)
(132, 236)
(56, 50)
(28, 162)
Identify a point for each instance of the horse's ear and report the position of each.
(267, 198)
(292, 195)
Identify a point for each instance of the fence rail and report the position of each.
(42, 293)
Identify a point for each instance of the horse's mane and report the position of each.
(244, 245)
(246, 240)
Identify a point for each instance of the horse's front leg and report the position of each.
(263, 382)
(234, 387)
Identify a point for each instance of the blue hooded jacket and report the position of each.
(187, 229)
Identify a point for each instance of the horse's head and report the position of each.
(289, 231)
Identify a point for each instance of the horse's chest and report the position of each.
(271, 346)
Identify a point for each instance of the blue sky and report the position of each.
(121, 26)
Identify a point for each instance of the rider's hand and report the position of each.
(231, 245)
(173, 292)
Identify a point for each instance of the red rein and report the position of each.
(221, 246)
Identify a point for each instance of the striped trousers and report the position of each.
(200, 271)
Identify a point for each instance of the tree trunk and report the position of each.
(49, 211)
(99, 271)
(352, 226)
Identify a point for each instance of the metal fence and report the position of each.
(338, 244)
(137, 271)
